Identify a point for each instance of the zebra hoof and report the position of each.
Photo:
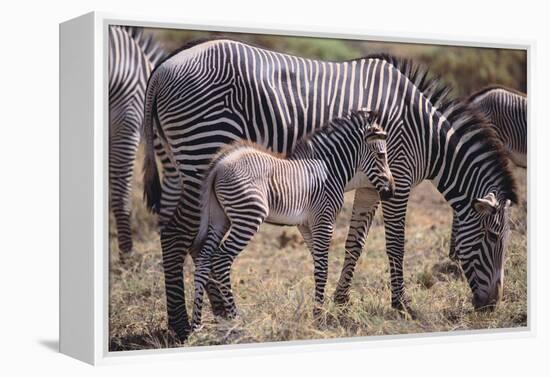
(126, 256)
(181, 334)
(341, 300)
(219, 312)
(319, 316)
(404, 309)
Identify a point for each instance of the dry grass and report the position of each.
(273, 283)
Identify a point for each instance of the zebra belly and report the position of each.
(297, 217)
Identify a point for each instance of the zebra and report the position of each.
(248, 185)
(209, 94)
(132, 57)
(506, 112)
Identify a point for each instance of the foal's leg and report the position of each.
(364, 208)
(203, 268)
(318, 238)
(171, 192)
(239, 235)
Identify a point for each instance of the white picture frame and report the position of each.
(84, 259)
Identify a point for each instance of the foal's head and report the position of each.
(373, 158)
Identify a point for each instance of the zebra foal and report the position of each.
(248, 185)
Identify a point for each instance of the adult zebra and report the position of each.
(506, 112)
(132, 57)
(212, 93)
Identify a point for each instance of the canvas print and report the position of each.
(268, 188)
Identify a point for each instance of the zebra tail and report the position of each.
(151, 179)
(209, 205)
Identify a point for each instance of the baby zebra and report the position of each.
(248, 185)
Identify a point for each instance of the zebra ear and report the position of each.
(487, 205)
(370, 116)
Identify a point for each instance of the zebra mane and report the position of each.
(148, 44)
(303, 146)
(464, 119)
(489, 88)
(431, 86)
(241, 144)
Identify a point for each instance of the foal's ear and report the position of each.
(487, 205)
(370, 116)
(375, 132)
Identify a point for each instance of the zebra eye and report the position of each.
(493, 237)
(380, 155)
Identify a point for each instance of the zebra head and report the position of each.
(481, 241)
(373, 157)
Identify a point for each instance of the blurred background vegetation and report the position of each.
(466, 69)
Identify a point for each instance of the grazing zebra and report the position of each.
(248, 185)
(210, 94)
(506, 112)
(131, 59)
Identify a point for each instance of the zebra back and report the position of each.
(506, 111)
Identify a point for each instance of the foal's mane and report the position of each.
(330, 126)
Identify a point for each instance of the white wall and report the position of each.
(29, 184)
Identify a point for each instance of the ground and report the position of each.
(273, 282)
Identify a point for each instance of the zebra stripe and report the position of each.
(506, 110)
(213, 93)
(132, 56)
(247, 186)
(129, 69)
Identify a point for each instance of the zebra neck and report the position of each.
(461, 171)
(340, 160)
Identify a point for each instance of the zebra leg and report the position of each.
(239, 235)
(318, 239)
(203, 268)
(176, 238)
(214, 294)
(452, 242)
(395, 212)
(123, 149)
(365, 205)
(171, 192)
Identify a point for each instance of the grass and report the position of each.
(273, 283)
